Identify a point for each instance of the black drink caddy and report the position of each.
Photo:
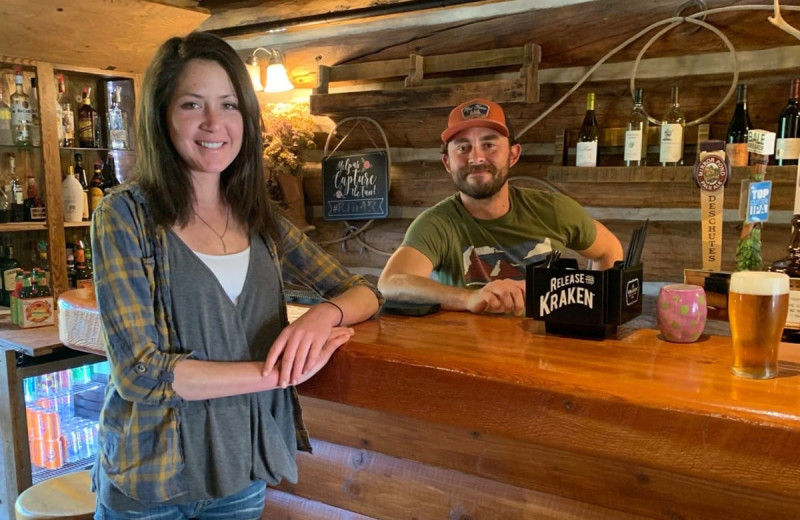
(586, 302)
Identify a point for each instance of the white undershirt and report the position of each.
(230, 270)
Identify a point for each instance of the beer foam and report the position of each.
(759, 283)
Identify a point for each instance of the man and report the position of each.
(477, 242)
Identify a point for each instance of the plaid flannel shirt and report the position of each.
(139, 449)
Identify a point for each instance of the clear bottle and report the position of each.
(636, 133)
(672, 126)
(117, 127)
(36, 127)
(87, 122)
(787, 142)
(61, 90)
(20, 112)
(5, 207)
(736, 138)
(6, 135)
(586, 150)
(17, 192)
(69, 126)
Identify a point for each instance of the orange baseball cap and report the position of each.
(476, 112)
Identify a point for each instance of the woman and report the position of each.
(188, 258)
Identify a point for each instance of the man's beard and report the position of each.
(484, 190)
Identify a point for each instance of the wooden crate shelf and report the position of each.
(419, 93)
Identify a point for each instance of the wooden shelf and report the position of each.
(11, 227)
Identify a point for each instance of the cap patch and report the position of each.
(475, 111)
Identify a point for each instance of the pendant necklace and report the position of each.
(222, 236)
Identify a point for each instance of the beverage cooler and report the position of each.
(62, 410)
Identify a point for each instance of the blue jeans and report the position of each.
(247, 504)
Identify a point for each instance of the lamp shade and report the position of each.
(255, 73)
(277, 79)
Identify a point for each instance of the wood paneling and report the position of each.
(395, 489)
(626, 486)
(285, 506)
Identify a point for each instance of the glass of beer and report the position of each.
(758, 303)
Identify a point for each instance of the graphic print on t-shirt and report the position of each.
(485, 264)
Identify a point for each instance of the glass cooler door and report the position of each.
(62, 410)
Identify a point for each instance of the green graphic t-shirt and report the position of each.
(468, 252)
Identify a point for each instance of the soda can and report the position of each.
(53, 454)
(29, 387)
(64, 380)
(48, 384)
(90, 435)
(31, 418)
(37, 452)
(49, 427)
(64, 405)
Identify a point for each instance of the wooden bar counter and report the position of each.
(460, 416)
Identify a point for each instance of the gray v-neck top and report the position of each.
(228, 442)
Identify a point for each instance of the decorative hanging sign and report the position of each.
(711, 172)
(355, 186)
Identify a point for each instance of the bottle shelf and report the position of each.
(78, 149)
(11, 227)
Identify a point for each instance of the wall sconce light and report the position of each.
(277, 79)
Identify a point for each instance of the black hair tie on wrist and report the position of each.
(341, 312)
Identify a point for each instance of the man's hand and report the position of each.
(499, 296)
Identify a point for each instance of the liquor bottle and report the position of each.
(736, 139)
(34, 207)
(117, 127)
(69, 126)
(60, 95)
(36, 127)
(787, 143)
(83, 277)
(17, 192)
(80, 174)
(70, 267)
(110, 178)
(672, 124)
(87, 122)
(20, 112)
(72, 196)
(586, 152)
(42, 263)
(5, 207)
(636, 133)
(10, 266)
(96, 189)
(6, 135)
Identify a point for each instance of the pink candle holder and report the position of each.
(681, 312)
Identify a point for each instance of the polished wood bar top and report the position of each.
(635, 398)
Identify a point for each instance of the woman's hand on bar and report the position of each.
(302, 344)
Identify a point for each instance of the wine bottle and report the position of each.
(636, 133)
(787, 143)
(672, 124)
(586, 153)
(736, 139)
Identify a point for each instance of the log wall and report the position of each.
(622, 198)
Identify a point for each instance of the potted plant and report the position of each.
(288, 133)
